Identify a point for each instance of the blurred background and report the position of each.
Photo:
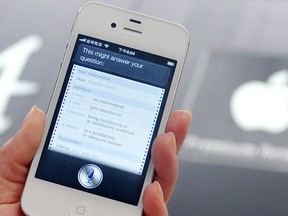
(235, 159)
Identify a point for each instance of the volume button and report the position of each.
(66, 46)
(61, 64)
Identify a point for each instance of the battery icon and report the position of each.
(169, 63)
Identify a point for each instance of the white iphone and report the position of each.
(113, 96)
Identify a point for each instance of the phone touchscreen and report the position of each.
(106, 118)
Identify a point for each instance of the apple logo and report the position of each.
(258, 105)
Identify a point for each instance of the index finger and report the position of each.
(178, 124)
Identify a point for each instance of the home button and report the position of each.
(80, 208)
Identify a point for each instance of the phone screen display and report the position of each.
(106, 119)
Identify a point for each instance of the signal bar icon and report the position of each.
(82, 40)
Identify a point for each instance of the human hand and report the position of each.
(164, 155)
(17, 154)
(15, 158)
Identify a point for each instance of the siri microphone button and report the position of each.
(90, 176)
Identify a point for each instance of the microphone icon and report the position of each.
(90, 175)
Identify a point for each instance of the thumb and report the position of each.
(22, 147)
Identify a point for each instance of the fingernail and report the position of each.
(172, 137)
(188, 112)
(184, 110)
(29, 114)
(159, 189)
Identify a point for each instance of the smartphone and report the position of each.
(113, 95)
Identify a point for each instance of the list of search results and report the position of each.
(107, 119)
